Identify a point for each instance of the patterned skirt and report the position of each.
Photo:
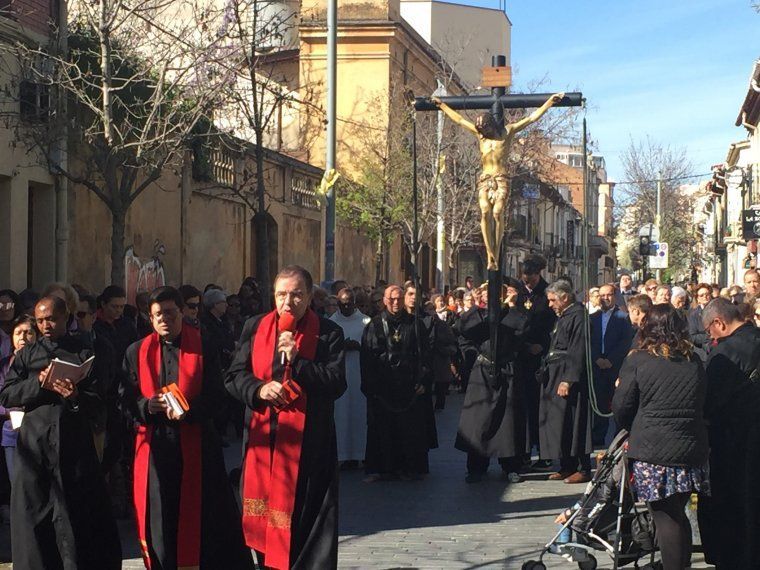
(656, 482)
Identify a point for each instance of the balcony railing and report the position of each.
(303, 193)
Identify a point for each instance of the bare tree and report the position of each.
(263, 95)
(134, 81)
(644, 163)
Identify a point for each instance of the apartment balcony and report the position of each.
(598, 243)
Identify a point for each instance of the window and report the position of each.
(35, 101)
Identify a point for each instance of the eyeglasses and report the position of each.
(166, 314)
(7, 306)
(192, 305)
(709, 326)
(295, 295)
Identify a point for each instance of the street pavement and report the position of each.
(440, 522)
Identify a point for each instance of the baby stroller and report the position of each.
(606, 519)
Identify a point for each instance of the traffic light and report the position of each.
(646, 246)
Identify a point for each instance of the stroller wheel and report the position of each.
(589, 564)
(533, 565)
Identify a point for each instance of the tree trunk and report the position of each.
(261, 224)
(378, 260)
(118, 230)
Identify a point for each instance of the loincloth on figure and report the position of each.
(494, 186)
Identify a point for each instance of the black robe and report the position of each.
(398, 419)
(492, 422)
(222, 543)
(59, 504)
(538, 328)
(314, 524)
(729, 520)
(565, 423)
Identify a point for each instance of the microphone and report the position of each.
(286, 323)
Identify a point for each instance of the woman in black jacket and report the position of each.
(660, 401)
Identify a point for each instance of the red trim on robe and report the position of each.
(270, 476)
(190, 381)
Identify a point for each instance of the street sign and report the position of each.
(651, 231)
(751, 223)
(660, 259)
(531, 191)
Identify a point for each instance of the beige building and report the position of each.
(33, 214)
(466, 36)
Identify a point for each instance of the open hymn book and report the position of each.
(62, 370)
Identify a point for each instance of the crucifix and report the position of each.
(495, 139)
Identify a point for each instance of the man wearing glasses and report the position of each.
(288, 371)
(351, 408)
(185, 510)
(697, 333)
(395, 379)
(728, 519)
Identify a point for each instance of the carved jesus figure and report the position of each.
(493, 185)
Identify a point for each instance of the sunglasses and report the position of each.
(192, 305)
(651, 288)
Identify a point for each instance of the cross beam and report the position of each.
(485, 102)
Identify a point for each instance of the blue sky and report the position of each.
(674, 70)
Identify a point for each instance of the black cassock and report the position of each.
(729, 520)
(314, 524)
(492, 422)
(222, 544)
(398, 419)
(59, 505)
(565, 423)
(538, 329)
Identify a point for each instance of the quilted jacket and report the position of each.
(660, 401)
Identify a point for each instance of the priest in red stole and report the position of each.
(186, 513)
(288, 371)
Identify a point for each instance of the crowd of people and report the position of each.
(350, 377)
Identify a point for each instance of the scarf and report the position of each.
(190, 380)
(271, 472)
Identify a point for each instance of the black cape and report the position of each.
(565, 423)
(493, 422)
(314, 525)
(222, 544)
(729, 520)
(398, 419)
(59, 505)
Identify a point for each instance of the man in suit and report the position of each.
(610, 343)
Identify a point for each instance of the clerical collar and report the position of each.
(175, 342)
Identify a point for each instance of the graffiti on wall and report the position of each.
(142, 275)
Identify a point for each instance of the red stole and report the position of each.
(270, 476)
(190, 381)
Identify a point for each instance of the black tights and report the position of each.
(672, 530)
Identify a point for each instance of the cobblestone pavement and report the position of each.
(440, 522)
